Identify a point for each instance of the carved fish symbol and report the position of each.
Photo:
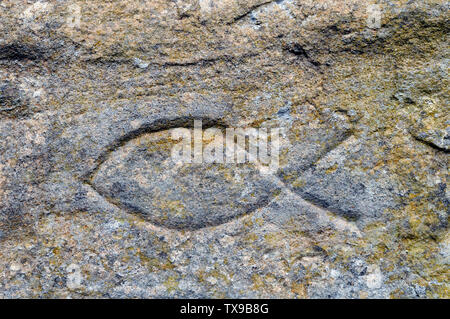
(140, 177)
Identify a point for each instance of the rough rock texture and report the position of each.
(90, 208)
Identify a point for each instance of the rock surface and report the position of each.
(89, 207)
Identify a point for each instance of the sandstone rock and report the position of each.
(90, 206)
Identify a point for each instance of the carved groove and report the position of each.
(431, 144)
(19, 52)
(154, 127)
(314, 200)
(187, 122)
(249, 11)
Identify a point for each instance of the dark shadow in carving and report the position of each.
(216, 218)
(249, 11)
(20, 52)
(350, 215)
(152, 127)
(187, 122)
(431, 144)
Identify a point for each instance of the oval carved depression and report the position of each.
(141, 177)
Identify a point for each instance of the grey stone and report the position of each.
(92, 207)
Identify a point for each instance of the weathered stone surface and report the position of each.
(90, 206)
(141, 177)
